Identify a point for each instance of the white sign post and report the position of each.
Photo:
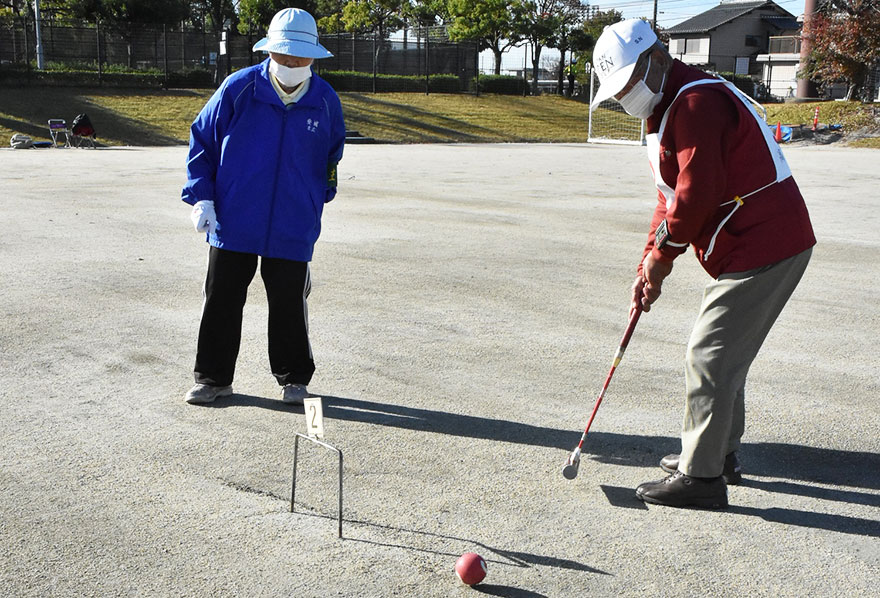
(314, 413)
(314, 417)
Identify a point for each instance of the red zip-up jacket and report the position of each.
(711, 151)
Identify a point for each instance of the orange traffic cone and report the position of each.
(778, 135)
(815, 119)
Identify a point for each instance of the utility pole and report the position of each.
(39, 35)
(805, 87)
(654, 22)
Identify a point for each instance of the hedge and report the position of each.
(501, 84)
(79, 75)
(358, 81)
(88, 78)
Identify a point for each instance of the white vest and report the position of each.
(653, 143)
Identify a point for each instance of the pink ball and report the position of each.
(470, 568)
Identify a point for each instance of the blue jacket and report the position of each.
(268, 168)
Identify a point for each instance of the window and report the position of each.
(694, 46)
(752, 41)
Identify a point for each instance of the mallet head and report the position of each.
(570, 470)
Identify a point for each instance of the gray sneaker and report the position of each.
(293, 394)
(204, 393)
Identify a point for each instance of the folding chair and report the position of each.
(58, 127)
(82, 131)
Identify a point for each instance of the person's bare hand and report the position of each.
(637, 294)
(648, 286)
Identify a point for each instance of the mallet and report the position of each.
(570, 470)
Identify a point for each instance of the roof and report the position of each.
(721, 14)
(782, 22)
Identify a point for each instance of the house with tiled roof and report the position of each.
(730, 36)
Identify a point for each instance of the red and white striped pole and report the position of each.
(815, 119)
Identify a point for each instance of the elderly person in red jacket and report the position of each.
(725, 189)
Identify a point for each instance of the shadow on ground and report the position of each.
(775, 460)
(491, 554)
(28, 109)
(766, 459)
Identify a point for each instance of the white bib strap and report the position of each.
(783, 171)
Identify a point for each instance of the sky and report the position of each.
(672, 12)
(669, 13)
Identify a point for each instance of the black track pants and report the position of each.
(287, 283)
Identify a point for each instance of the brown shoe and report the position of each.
(679, 490)
(732, 469)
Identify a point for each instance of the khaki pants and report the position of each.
(738, 311)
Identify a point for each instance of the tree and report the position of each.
(328, 13)
(379, 16)
(126, 13)
(570, 16)
(425, 12)
(255, 15)
(845, 38)
(541, 20)
(214, 13)
(491, 23)
(10, 10)
(593, 27)
(579, 42)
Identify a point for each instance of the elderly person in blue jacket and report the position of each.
(262, 164)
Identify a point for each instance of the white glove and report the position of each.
(203, 217)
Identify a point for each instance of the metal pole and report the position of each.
(654, 22)
(228, 52)
(477, 65)
(165, 51)
(339, 528)
(27, 50)
(427, 55)
(14, 42)
(204, 44)
(39, 34)
(297, 436)
(98, 47)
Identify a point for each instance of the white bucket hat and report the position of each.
(294, 32)
(616, 53)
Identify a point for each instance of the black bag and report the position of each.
(82, 126)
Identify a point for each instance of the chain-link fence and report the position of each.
(90, 53)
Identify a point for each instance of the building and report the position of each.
(780, 64)
(730, 36)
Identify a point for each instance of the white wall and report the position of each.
(699, 49)
(781, 77)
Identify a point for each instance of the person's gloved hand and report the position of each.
(203, 217)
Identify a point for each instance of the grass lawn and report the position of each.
(162, 117)
(155, 117)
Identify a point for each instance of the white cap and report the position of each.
(616, 53)
(294, 32)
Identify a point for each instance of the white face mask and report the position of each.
(640, 101)
(287, 76)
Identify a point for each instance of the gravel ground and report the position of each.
(466, 306)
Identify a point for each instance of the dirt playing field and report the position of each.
(467, 303)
